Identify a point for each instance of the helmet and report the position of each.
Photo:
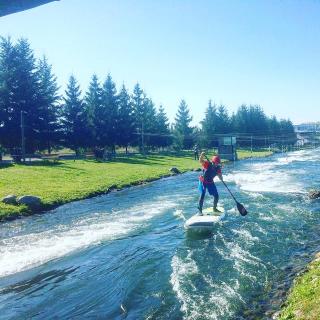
(216, 159)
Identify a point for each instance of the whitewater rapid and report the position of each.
(129, 251)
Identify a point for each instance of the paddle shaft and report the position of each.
(226, 186)
(229, 191)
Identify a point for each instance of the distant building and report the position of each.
(227, 147)
(307, 127)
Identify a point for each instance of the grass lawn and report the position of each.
(303, 300)
(67, 180)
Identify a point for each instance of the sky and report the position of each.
(264, 52)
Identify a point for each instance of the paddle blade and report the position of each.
(242, 210)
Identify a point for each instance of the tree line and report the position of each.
(104, 117)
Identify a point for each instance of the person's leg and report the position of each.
(215, 202)
(214, 192)
(202, 191)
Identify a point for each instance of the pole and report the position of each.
(23, 145)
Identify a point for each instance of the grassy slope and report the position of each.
(68, 180)
(303, 300)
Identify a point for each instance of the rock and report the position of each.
(174, 170)
(30, 201)
(314, 194)
(317, 256)
(10, 199)
(276, 315)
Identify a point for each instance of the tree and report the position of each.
(96, 114)
(150, 123)
(222, 120)
(110, 106)
(125, 126)
(73, 117)
(163, 138)
(48, 105)
(182, 130)
(209, 125)
(7, 83)
(19, 94)
(139, 113)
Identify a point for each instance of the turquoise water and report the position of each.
(126, 255)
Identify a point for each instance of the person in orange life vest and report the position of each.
(211, 169)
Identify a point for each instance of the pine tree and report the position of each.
(150, 122)
(73, 117)
(125, 126)
(96, 114)
(7, 83)
(209, 125)
(49, 98)
(222, 120)
(182, 130)
(110, 105)
(19, 93)
(163, 137)
(139, 113)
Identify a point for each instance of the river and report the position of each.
(126, 255)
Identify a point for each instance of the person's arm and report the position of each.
(202, 158)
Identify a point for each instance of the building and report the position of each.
(227, 147)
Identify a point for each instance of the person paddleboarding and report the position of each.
(211, 169)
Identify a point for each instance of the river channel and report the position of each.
(126, 255)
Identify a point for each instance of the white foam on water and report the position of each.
(266, 181)
(27, 251)
(181, 270)
(245, 235)
(271, 175)
(179, 213)
(196, 304)
(299, 156)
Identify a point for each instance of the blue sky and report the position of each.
(233, 52)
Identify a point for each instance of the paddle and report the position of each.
(242, 210)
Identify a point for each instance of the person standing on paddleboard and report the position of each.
(211, 169)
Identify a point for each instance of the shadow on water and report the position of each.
(39, 281)
(199, 235)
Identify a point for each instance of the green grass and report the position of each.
(245, 154)
(67, 180)
(304, 299)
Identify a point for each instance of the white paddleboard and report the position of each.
(206, 221)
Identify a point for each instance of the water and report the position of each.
(126, 255)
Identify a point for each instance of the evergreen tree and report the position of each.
(139, 113)
(182, 130)
(96, 114)
(7, 83)
(150, 123)
(19, 94)
(125, 125)
(274, 126)
(110, 106)
(287, 131)
(163, 138)
(48, 98)
(73, 117)
(222, 120)
(241, 119)
(209, 125)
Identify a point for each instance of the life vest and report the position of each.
(209, 173)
